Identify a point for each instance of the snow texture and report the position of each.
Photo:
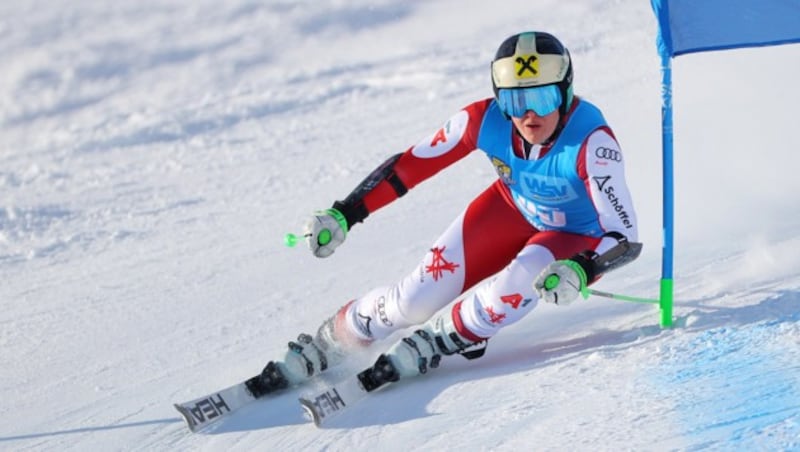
(153, 154)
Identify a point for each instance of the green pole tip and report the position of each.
(290, 240)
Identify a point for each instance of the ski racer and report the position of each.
(558, 216)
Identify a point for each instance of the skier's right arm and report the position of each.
(394, 177)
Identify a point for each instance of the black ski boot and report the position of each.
(270, 380)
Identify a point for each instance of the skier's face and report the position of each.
(536, 129)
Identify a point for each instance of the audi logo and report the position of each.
(608, 154)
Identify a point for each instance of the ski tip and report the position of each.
(311, 411)
(187, 417)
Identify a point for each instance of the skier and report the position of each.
(558, 216)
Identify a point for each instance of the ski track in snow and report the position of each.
(152, 155)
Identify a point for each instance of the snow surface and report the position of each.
(153, 154)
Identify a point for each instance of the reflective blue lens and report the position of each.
(543, 100)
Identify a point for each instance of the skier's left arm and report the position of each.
(601, 166)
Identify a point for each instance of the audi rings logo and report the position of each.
(382, 312)
(608, 154)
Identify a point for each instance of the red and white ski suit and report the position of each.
(506, 235)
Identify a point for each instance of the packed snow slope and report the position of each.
(153, 154)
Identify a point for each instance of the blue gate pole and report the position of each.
(667, 288)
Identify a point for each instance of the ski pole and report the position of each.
(615, 296)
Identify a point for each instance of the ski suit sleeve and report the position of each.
(403, 171)
(602, 168)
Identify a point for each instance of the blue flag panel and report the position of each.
(699, 25)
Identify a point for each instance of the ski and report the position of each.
(204, 411)
(326, 404)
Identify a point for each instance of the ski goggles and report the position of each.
(542, 100)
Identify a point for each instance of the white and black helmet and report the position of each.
(533, 59)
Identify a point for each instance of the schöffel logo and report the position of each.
(613, 199)
(601, 181)
(608, 154)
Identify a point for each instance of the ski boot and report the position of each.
(270, 380)
(310, 355)
(423, 350)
